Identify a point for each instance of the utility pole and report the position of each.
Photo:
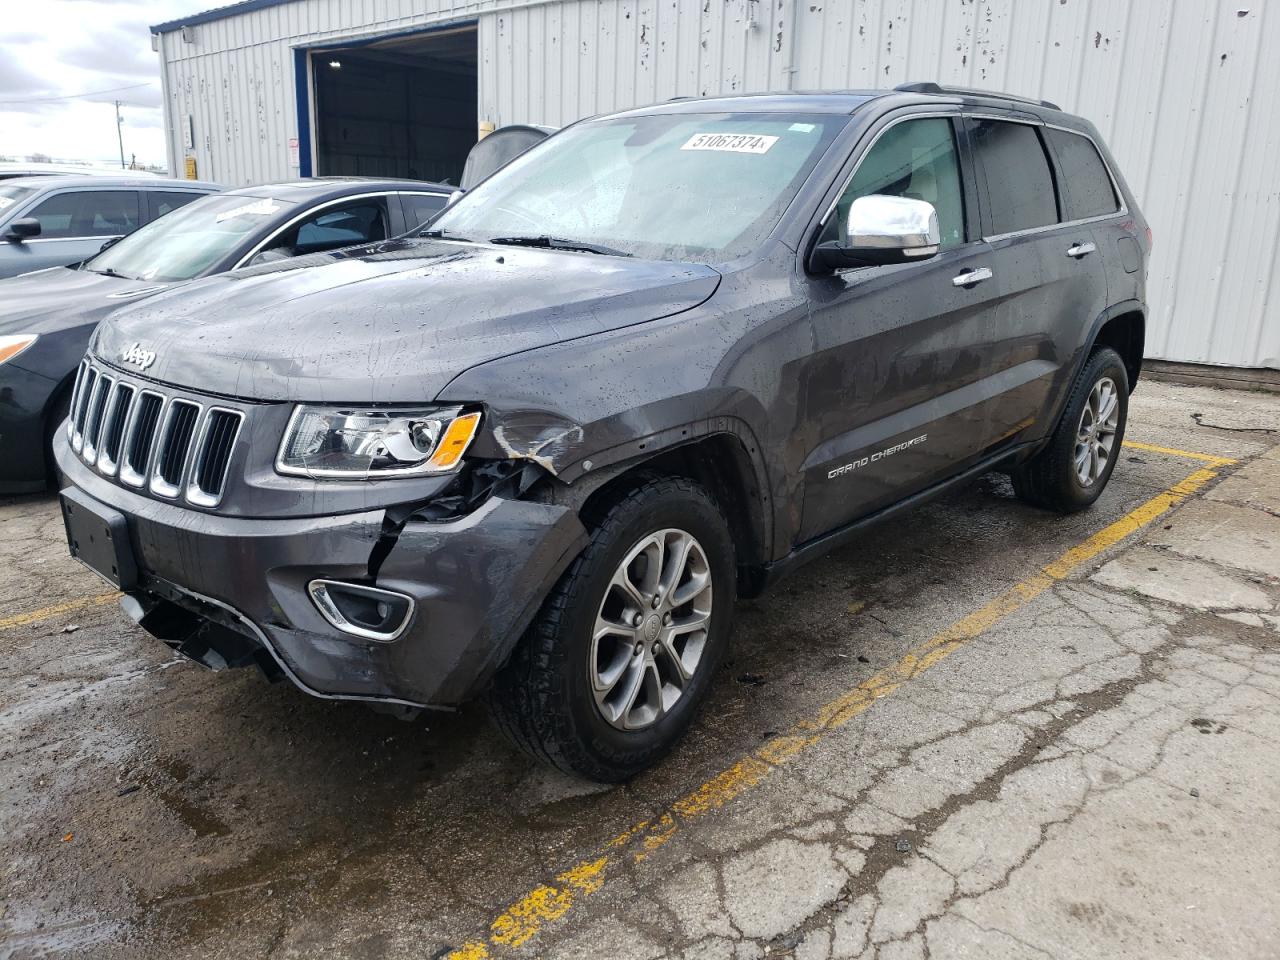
(119, 133)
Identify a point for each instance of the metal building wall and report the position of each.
(235, 77)
(1181, 89)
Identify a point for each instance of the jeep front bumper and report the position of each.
(475, 584)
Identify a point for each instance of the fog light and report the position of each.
(361, 611)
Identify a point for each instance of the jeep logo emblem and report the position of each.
(138, 357)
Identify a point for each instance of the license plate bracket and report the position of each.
(98, 537)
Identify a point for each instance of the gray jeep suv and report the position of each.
(538, 451)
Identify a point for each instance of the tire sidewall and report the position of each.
(1104, 363)
(695, 516)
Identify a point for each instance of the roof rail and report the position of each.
(928, 86)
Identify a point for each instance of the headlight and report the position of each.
(11, 346)
(365, 444)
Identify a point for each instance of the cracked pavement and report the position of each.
(1093, 774)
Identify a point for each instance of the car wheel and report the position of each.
(611, 673)
(1071, 472)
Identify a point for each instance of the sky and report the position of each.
(72, 49)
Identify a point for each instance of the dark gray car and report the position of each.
(649, 367)
(52, 221)
(46, 317)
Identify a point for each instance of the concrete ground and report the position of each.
(983, 731)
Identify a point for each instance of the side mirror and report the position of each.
(110, 243)
(882, 229)
(455, 197)
(23, 229)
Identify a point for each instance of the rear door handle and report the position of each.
(967, 278)
(1081, 250)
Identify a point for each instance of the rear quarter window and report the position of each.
(1090, 192)
(161, 202)
(421, 207)
(1020, 187)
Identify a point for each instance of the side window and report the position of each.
(88, 213)
(161, 202)
(421, 207)
(1019, 182)
(361, 222)
(914, 158)
(1090, 192)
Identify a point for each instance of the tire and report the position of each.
(546, 699)
(1053, 477)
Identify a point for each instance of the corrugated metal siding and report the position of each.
(1184, 91)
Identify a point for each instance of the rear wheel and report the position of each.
(1071, 472)
(611, 673)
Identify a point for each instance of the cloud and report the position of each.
(72, 49)
(111, 59)
(17, 82)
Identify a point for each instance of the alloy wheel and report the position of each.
(651, 629)
(1096, 432)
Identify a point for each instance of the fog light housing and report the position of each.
(366, 612)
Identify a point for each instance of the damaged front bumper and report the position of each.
(206, 583)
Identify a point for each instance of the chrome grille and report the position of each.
(173, 446)
(139, 434)
(94, 410)
(213, 455)
(84, 391)
(175, 443)
(113, 421)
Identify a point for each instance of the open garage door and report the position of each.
(405, 106)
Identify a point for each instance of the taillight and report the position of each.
(1148, 238)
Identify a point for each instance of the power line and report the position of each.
(77, 96)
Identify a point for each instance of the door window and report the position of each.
(1020, 186)
(916, 159)
(1090, 192)
(88, 213)
(161, 202)
(329, 229)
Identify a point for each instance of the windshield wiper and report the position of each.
(441, 234)
(110, 272)
(560, 243)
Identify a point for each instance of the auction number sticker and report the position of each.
(730, 142)
(6, 202)
(257, 208)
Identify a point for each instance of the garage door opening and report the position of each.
(401, 107)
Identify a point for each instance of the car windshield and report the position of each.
(693, 187)
(184, 244)
(11, 194)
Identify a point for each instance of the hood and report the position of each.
(60, 298)
(389, 324)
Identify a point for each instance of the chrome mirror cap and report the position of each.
(880, 222)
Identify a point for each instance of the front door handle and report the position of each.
(1081, 250)
(967, 278)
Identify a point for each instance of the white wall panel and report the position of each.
(1186, 93)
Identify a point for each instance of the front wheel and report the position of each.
(1071, 472)
(610, 675)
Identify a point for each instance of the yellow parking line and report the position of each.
(1175, 452)
(45, 613)
(525, 918)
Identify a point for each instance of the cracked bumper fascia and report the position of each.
(477, 580)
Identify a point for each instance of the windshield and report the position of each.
(11, 194)
(692, 187)
(184, 244)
